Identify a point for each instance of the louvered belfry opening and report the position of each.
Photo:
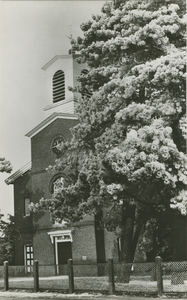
(58, 86)
(84, 72)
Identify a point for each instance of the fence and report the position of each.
(142, 278)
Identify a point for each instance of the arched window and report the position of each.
(58, 184)
(58, 86)
(58, 181)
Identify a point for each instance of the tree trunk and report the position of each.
(142, 95)
(128, 218)
(179, 237)
(136, 236)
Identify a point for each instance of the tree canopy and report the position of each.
(6, 228)
(7, 238)
(127, 154)
(5, 165)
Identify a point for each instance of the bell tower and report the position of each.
(60, 74)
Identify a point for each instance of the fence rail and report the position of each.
(154, 278)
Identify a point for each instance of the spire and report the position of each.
(70, 29)
(70, 36)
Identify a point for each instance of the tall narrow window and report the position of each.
(58, 86)
(29, 258)
(27, 210)
(55, 186)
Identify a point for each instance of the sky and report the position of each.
(31, 34)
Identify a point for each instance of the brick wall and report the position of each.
(41, 153)
(21, 238)
(37, 185)
(84, 243)
(111, 247)
(42, 157)
(22, 189)
(43, 248)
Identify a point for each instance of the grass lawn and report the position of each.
(93, 284)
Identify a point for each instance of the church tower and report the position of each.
(60, 74)
(40, 237)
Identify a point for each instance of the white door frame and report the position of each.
(60, 236)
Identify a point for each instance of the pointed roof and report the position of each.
(35, 130)
(49, 120)
(20, 172)
(56, 57)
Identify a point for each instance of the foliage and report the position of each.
(150, 167)
(6, 228)
(157, 237)
(127, 152)
(7, 242)
(5, 165)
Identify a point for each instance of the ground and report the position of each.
(48, 296)
(139, 285)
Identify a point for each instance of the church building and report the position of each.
(37, 236)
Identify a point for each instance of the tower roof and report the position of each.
(56, 57)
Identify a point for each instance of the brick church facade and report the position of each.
(37, 236)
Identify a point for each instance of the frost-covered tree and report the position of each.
(6, 228)
(127, 154)
(7, 238)
(5, 165)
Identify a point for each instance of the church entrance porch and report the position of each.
(62, 241)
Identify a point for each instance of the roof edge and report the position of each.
(59, 103)
(49, 120)
(18, 173)
(65, 56)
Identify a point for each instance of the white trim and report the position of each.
(62, 234)
(66, 107)
(49, 120)
(59, 103)
(53, 236)
(26, 206)
(56, 57)
(56, 256)
(18, 173)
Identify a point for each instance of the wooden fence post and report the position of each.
(6, 287)
(71, 276)
(111, 276)
(36, 276)
(159, 278)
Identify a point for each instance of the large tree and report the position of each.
(126, 156)
(7, 231)
(6, 228)
(5, 165)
